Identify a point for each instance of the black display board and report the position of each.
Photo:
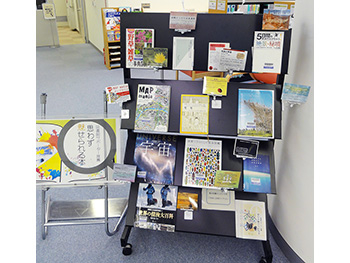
(237, 29)
(222, 122)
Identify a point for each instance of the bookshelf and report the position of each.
(111, 37)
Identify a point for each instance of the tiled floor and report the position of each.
(69, 37)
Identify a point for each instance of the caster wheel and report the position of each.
(263, 260)
(127, 250)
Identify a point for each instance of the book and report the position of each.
(194, 116)
(155, 57)
(276, 19)
(234, 60)
(183, 53)
(155, 219)
(136, 40)
(215, 86)
(187, 201)
(267, 52)
(202, 159)
(214, 53)
(216, 199)
(255, 113)
(227, 179)
(152, 108)
(257, 175)
(154, 157)
(250, 220)
(294, 93)
(157, 196)
(118, 93)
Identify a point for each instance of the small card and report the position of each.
(246, 148)
(233, 59)
(125, 114)
(183, 20)
(188, 215)
(124, 172)
(294, 93)
(227, 179)
(216, 104)
(118, 93)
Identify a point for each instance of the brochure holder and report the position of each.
(222, 122)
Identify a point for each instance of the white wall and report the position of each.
(94, 22)
(60, 7)
(163, 5)
(292, 209)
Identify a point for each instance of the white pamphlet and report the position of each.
(183, 53)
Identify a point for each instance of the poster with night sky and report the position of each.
(155, 158)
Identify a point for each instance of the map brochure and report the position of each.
(183, 53)
(124, 172)
(276, 19)
(267, 51)
(255, 113)
(256, 174)
(154, 157)
(214, 54)
(216, 199)
(187, 201)
(294, 93)
(215, 86)
(136, 40)
(155, 219)
(118, 93)
(157, 196)
(233, 60)
(202, 160)
(152, 108)
(155, 57)
(246, 148)
(227, 179)
(194, 116)
(250, 220)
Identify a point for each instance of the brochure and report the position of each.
(267, 52)
(257, 175)
(255, 113)
(183, 53)
(216, 199)
(276, 19)
(118, 93)
(155, 158)
(112, 19)
(136, 40)
(187, 201)
(155, 57)
(202, 160)
(214, 55)
(227, 179)
(294, 93)
(152, 108)
(234, 60)
(194, 117)
(124, 172)
(215, 86)
(250, 220)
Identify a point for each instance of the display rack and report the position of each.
(112, 54)
(238, 30)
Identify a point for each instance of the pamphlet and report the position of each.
(216, 199)
(215, 86)
(136, 40)
(183, 53)
(234, 60)
(255, 113)
(152, 108)
(214, 55)
(155, 158)
(246, 148)
(276, 19)
(294, 93)
(227, 179)
(194, 116)
(250, 220)
(257, 175)
(112, 19)
(267, 52)
(155, 57)
(118, 93)
(202, 160)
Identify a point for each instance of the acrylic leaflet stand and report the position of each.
(94, 211)
(222, 123)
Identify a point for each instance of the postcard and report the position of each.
(183, 53)
(194, 116)
(255, 113)
(215, 86)
(187, 201)
(216, 199)
(214, 55)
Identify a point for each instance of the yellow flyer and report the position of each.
(215, 86)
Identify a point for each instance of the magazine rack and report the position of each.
(222, 123)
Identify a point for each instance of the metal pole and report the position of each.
(43, 98)
(105, 103)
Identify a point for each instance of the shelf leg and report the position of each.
(125, 236)
(44, 212)
(267, 251)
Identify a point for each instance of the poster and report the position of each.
(74, 150)
(202, 160)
